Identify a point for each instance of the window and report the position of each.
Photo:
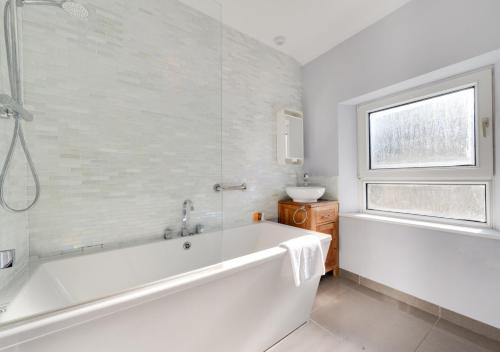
(447, 201)
(428, 152)
(438, 131)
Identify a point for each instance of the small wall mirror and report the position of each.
(290, 137)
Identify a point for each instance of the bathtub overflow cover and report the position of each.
(187, 245)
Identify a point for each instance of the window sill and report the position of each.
(461, 230)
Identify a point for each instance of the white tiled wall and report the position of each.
(257, 82)
(128, 126)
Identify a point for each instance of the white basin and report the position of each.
(305, 194)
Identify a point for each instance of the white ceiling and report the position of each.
(311, 27)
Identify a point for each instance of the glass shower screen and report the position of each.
(126, 98)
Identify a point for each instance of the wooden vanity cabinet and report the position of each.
(322, 216)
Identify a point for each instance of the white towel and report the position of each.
(306, 256)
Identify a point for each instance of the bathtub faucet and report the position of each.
(187, 208)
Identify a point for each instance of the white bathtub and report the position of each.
(231, 291)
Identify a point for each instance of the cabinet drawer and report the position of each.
(325, 215)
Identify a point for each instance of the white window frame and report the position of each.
(481, 173)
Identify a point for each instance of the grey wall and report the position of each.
(420, 37)
(423, 41)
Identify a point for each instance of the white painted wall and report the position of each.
(348, 183)
(457, 272)
(460, 273)
(421, 37)
(424, 40)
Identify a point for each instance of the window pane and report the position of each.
(451, 201)
(438, 131)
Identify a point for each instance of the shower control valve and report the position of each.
(9, 108)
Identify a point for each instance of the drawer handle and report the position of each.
(296, 212)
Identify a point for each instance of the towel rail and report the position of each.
(220, 188)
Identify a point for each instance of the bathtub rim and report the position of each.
(36, 326)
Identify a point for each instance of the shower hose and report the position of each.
(18, 135)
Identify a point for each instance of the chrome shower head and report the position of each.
(73, 8)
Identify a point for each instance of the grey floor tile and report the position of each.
(447, 337)
(313, 338)
(347, 318)
(329, 291)
(369, 319)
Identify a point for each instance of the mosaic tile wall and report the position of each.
(128, 121)
(257, 82)
(128, 124)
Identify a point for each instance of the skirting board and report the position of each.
(445, 314)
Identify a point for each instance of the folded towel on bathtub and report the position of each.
(306, 256)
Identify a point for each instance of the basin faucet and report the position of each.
(187, 208)
(306, 179)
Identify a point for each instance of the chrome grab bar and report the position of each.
(220, 188)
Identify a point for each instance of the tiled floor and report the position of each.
(349, 317)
